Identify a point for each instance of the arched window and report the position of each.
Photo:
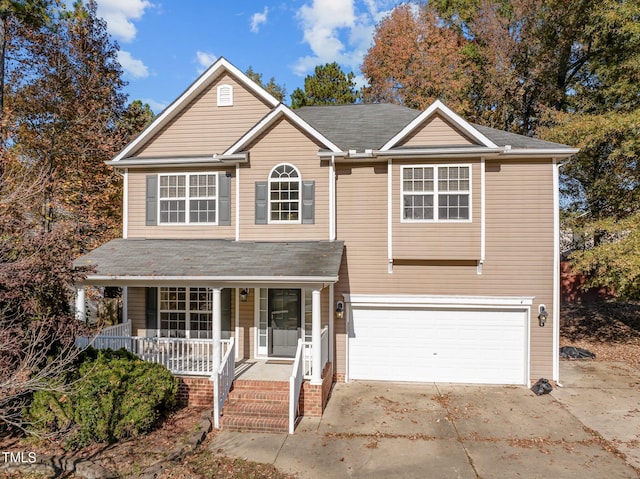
(284, 194)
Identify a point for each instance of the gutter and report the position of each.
(206, 160)
(488, 153)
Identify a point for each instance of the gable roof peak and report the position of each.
(438, 107)
(216, 69)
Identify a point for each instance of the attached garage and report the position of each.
(426, 339)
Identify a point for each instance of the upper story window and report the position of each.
(284, 194)
(225, 95)
(436, 193)
(188, 198)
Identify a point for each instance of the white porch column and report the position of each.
(217, 328)
(81, 306)
(316, 340)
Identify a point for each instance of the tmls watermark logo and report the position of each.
(20, 457)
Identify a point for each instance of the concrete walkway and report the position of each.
(381, 430)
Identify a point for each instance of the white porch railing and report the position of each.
(179, 355)
(123, 329)
(295, 385)
(308, 354)
(223, 380)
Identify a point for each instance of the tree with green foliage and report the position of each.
(329, 85)
(277, 91)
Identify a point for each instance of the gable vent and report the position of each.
(225, 95)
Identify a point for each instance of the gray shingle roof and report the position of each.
(370, 126)
(213, 258)
(358, 127)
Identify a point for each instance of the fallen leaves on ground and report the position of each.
(610, 329)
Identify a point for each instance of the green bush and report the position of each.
(113, 395)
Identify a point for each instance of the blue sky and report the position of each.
(166, 44)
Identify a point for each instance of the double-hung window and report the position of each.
(186, 312)
(436, 193)
(284, 194)
(187, 198)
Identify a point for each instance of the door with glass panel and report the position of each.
(284, 315)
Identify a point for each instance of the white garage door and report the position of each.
(487, 346)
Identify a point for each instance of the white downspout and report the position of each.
(332, 198)
(556, 272)
(483, 215)
(125, 204)
(389, 216)
(237, 202)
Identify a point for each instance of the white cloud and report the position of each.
(134, 67)
(156, 106)
(339, 31)
(205, 59)
(258, 19)
(119, 15)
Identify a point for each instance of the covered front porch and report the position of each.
(212, 308)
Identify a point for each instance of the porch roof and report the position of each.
(225, 263)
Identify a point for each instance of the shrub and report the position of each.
(115, 395)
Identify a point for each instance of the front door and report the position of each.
(284, 322)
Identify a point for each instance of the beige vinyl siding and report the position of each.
(441, 240)
(436, 131)
(246, 339)
(284, 143)
(137, 227)
(361, 203)
(519, 248)
(204, 128)
(136, 309)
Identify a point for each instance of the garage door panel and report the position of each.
(474, 346)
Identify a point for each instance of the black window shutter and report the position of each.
(308, 198)
(151, 308)
(152, 200)
(262, 209)
(224, 199)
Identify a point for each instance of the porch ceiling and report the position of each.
(212, 261)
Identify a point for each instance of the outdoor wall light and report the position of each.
(339, 310)
(243, 295)
(542, 315)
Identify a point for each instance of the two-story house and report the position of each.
(353, 242)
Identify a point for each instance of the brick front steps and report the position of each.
(257, 406)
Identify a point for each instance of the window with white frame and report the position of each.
(186, 312)
(436, 193)
(188, 198)
(284, 194)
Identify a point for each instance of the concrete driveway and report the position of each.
(381, 430)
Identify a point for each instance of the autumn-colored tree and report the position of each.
(329, 85)
(415, 59)
(28, 12)
(37, 329)
(277, 91)
(67, 103)
(501, 63)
